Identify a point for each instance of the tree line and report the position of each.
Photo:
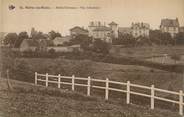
(97, 45)
(155, 37)
(14, 39)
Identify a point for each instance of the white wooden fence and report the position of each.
(48, 79)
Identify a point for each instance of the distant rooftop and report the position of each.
(113, 23)
(77, 27)
(102, 28)
(170, 22)
(124, 29)
(140, 25)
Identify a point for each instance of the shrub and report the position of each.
(100, 46)
(51, 50)
(176, 57)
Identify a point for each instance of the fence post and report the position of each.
(36, 78)
(107, 89)
(183, 81)
(181, 102)
(88, 87)
(59, 81)
(46, 80)
(128, 92)
(73, 82)
(152, 96)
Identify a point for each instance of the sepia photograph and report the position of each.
(91, 58)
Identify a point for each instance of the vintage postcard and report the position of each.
(91, 58)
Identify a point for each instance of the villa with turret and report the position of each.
(99, 30)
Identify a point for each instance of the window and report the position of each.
(174, 28)
(167, 29)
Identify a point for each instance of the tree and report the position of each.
(176, 57)
(33, 32)
(142, 41)
(83, 40)
(101, 46)
(54, 34)
(157, 37)
(52, 51)
(10, 39)
(179, 38)
(39, 35)
(124, 39)
(21, 37)
(166, 38)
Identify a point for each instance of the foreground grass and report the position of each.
(26, 100)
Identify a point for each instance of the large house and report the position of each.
(98, 30)
(78, 31)
(140, 29)
(170, 25)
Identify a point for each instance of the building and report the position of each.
(170, 25)
(61, 40)
(102, 33)
(98, 30)
(124, 30)
(140, 29)
(34, 45)
(114, 29)
(78, 31)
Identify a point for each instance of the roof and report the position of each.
(140, 25)
(170, 22)
(124, 29)
(102, 28)
(30, 42)
(78, 28)
(113, 23)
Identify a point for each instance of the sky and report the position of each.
(123, 12)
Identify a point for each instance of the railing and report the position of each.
(57, 80)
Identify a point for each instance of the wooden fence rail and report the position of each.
(48, 79)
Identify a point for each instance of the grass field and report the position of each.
(135, 74)
(27, 100)
(24, 68)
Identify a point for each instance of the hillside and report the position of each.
(83, 68)
(27, 100)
